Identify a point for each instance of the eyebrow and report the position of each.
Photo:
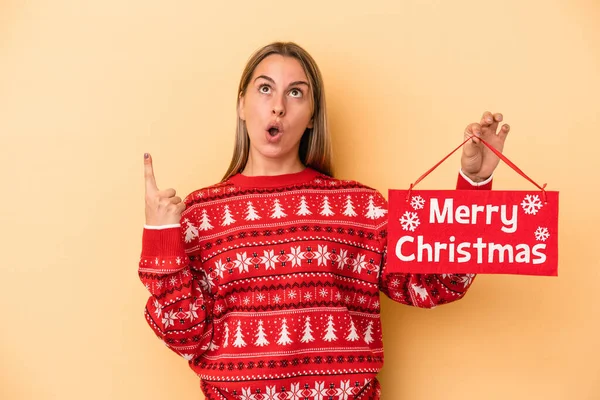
(295, 83)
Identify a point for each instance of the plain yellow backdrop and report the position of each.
(86, 87)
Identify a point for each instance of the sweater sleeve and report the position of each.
(428, 290)
(179, 309)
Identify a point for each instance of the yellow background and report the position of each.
(86, 87)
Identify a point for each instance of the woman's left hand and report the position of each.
(477, 161)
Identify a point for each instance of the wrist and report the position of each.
(474, 179)
(163, 220)
(161, 227)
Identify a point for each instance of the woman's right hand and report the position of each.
(163, 207)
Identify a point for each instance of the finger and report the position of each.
(487, 118)
(175, 200)
(149, 174)
(470, 134)
(504, 131)
(490, 122)
(166, 193)
(473, 130)
(181, 207)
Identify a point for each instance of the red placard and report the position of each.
(473, 231)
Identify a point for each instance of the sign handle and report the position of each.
(496, 152)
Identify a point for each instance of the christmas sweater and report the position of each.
(270, 286)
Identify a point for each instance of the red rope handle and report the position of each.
(496, 152)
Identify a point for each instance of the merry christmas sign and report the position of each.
(473, 231)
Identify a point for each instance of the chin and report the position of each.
(271, 152)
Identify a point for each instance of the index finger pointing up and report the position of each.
(149, 174)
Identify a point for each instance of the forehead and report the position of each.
(281, 69)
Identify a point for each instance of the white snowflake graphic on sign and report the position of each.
(417, 202)
(541, 234)
(410, 221)
(531, 204)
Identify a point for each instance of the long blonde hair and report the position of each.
(315, 145)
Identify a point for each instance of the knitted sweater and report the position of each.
(270, 286)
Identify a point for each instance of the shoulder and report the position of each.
(209, 193)
(327, 182)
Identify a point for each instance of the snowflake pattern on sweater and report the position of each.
(270, 288)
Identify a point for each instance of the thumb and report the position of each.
(474, 137)
(149, 174)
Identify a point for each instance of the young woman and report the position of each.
(268, 282)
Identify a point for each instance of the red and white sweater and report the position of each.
(270, 286)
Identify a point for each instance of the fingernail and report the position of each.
(146, 155)
(489, 120)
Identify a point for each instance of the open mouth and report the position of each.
(274, 130)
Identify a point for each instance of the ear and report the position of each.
(310, 123)
(240, 109)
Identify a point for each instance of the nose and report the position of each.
(278, 107)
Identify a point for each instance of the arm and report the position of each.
(429, 290)
(477, 166)
(178, 310)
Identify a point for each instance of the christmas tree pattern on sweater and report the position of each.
(263, 284)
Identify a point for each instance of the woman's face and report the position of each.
(277, 107)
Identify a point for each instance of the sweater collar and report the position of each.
(304, 176)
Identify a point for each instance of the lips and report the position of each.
(274, 128)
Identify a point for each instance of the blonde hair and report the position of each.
(315, 145)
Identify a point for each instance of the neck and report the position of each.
(272, 167)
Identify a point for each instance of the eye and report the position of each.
(296, 92)
(266, 89)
